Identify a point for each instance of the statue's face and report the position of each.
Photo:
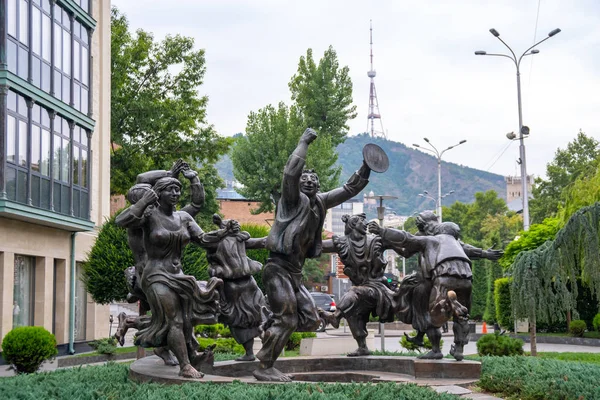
(170, 195)
(309, 184)
(234, 226)
(360, 225)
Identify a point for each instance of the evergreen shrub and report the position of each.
(105, 345)
(596, 322)
(577, 328)
(295, 339)
(499, 345)
(27, 347)
(208, 331)
(413, 347)
(224, 345)
(504, 311)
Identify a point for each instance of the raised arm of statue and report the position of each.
(328, 246)
(256, 243)
(197, 189)
(132, 217)
(400, 241)
(475, 252)
(290, 186)
(355, 184)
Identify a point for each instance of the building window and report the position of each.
(53, 173)
(23, 300)
(80, 303)
(81, 67)
(18, 37)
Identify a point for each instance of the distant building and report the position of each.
(235, 206)
(513, 192)
(333, 219)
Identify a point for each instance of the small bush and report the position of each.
(499, 345)
(225, 332)
(27, 347)
(105, 345)
(228, 345)
(413, 347)
(294, 340)
(208, 331)
(577, 328)
(596, 322)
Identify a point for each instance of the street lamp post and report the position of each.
(438, 203)
(523, 130)
(438, 155)
(380, 215)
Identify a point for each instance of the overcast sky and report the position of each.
(429, 82)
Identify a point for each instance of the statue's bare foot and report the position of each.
(361, 351)
(187, 371)
(246, 357)
(329, 318)
(166, 356)
(432, 355)
(270, 374)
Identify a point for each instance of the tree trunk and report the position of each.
(568, 320)
(532, 333)
(141, 352)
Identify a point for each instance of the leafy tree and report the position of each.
(260, 157)
(579, 159)
(323, 95)
(531, 239)
(157, 113)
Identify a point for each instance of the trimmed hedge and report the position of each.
(295, 339)
(413, 347)
(111, 382)
(224, 345)
(533, 378)
(499, 345)
(105, 345)
(504, 312)
(596, 322)
(577, 328)
(27, 347)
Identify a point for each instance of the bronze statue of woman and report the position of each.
(176, 301)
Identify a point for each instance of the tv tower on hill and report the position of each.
(373, 102)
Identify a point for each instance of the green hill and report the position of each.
(410, 173)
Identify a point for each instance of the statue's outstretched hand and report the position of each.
(308, 136)
(492, 254)
(374, 228)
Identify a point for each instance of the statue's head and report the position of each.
(135, 193)
(309, 182)
(230, 224)
(356, 222)
(448, 228)
(426, 222)
(168, 190)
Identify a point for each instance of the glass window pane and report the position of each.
(76, 199)
(35, 190)
(12, 101)
(21, 186)
(57, 13)
(35, 113)
(76, 96)
(23, 14)
(66, 38)
(75, 171)
(66, 89)
(22, 106)
(76, 58)
(57, 84)
(45, 195)
(46, 37)
(84, 138)
(22, 63)
(36, 30)
(84, 100)
(35, 148)
(46, 5)
(45, 160)
(22, 150)
(58, 124)
(45, 77)
(56, 196)
(64, 162)
(12, 18)
(85, 66)
(11, 53)
(23, 291)
(64, 199)
(57, 46)
(84, 167)
(45, 118)
(12, 140)
(11, 184)
(56, 162)
(36, 73)
(85, 205)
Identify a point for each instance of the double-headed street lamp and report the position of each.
(523, 130)
(438, 205)
(439, 160)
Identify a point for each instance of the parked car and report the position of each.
(326, 302)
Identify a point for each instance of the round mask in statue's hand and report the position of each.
(375, 158)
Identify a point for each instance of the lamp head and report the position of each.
(495, 32)
(524, 130)
(535, 51)
(511, 136)
(425, 191)
(480, 53)
(427, 140)
(416, 145)
(462, 141)
(554, 32)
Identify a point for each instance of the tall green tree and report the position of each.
(323, 94)
(157, 113)
(260, 156)
(579, 159)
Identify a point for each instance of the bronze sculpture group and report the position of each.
(158, 233)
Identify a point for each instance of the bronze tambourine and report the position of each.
(375, 158)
